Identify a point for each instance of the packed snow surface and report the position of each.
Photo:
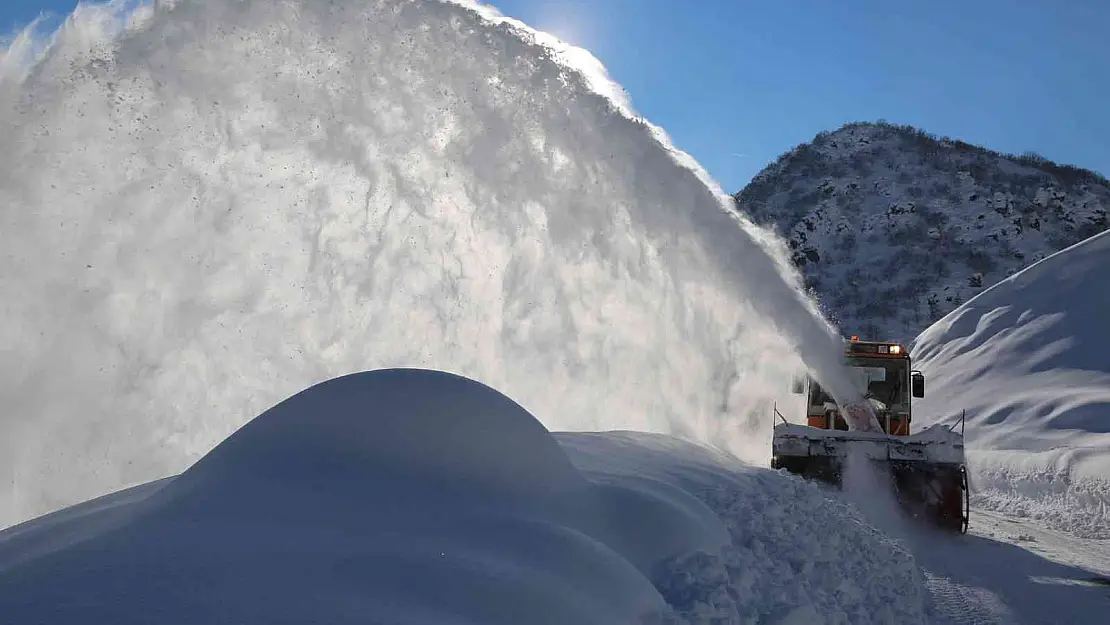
(206, 206)
(1027, 359)
(414, 496)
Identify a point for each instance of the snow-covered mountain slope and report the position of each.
(1027, 359)
(420, 497)
(893, 228)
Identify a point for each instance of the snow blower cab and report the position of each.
(927, 469)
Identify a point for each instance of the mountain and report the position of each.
(892, 228)
(1026, 360)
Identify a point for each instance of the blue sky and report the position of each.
(737, 82)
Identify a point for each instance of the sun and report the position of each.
(566, 24)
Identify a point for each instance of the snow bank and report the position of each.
(1066, 489)
(794, 550)
(410, 496)
(1027, 359)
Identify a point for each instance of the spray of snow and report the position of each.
(872, 491)
(205, 206)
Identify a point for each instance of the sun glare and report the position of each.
(566, 24)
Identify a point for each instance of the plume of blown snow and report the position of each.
(205, 206)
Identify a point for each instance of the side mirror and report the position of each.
(797, 385)
(917, 383)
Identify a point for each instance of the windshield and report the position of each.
(864, 377)
(886, 380)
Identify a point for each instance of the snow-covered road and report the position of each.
(1057, 547)
(1013, 571)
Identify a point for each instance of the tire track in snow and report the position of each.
(959, 604)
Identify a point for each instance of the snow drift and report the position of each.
(414, 496)
(1027, 359)
(213, 204)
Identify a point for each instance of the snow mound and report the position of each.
(415, 496)
(436, 426)
(1027, 360)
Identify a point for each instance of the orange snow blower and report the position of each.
(927, 469)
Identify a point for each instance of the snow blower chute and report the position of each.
(927, 469)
